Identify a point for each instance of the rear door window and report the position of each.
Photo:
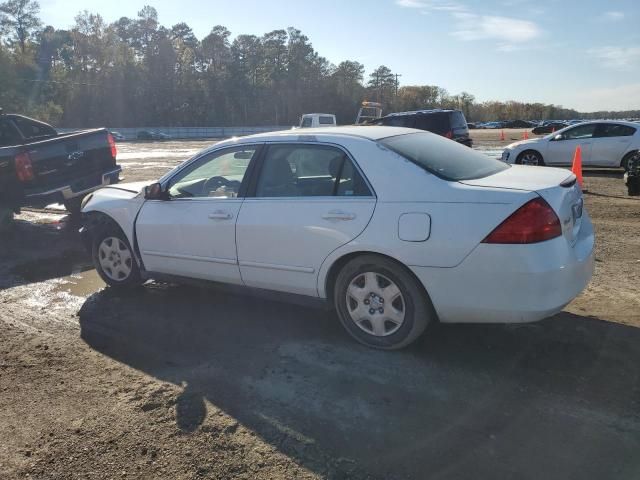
(614, 130)
(444, 158)
(433, 122)
(301, 170)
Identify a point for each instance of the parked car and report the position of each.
(448, 123)
(117, 136)
(39, 166)
(518, 124)
(315, 120)
(394, 228)
(603, 144)
(145, 135)
(152, 135)
(549, 128)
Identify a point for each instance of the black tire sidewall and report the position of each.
(537, 154)
(134, 279)
(416, 309)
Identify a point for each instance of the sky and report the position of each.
(582, 54)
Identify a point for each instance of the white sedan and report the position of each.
(396, 228)
(603, 144)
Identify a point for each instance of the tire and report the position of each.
(74, 206)
(6, 219)
(528, 157)
(625, 161)
(361, 285)
(114, 259)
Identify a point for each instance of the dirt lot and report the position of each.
(181, 383)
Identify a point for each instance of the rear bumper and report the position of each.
(512, 283)
(78, 188)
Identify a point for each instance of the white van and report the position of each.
(313, 120)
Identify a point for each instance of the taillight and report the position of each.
(24, 168)
(534, 222)
(112, 145)
(449, 134)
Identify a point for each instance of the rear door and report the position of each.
(610, 142)
(307, 200)
(560, 151)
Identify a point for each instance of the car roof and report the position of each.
(369, 132)
(421, 112)
(617, 122)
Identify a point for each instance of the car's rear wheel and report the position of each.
(530, 157)
(380, 303)
(114, 259)
(625, 161)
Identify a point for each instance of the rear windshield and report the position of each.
(445, 158)
(458, 120)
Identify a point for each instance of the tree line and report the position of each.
(137, 72)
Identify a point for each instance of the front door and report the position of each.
(308, 200)
(193, 233)
(561, 148)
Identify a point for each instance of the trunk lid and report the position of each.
(558, 187)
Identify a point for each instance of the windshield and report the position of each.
(442, 157)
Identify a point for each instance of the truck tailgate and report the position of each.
(66, 158)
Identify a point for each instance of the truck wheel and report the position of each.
(114, 259)
(73, 206)
(380, 303)
(6, 219)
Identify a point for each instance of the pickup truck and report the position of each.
(39, 166)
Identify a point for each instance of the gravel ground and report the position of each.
(181, 383)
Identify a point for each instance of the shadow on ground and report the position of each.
(556, 399)
(40, 249)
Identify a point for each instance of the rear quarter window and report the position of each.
(326, 120)
(444, 158)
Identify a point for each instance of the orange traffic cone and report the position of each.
(525, 135)
(553, 129)
(577, 166)
(502, 136)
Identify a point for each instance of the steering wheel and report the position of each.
(214, 183)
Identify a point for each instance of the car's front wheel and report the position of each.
(530, 157)
(380, 303)
(114, 260)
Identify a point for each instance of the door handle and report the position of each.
(220, 215)
(338, 215)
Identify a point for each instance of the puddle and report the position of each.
(80, 284)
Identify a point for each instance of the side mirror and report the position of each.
(155, 192)
(559, 136)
